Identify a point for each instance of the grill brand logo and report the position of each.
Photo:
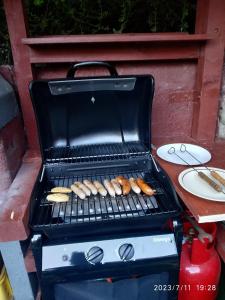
(93, 100)
(162, 240)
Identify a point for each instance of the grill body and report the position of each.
(99, 128)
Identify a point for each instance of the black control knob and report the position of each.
(126, 251)
(95, 255)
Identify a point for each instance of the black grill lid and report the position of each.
(89, 111)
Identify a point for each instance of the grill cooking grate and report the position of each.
(98, 208)
(89, 153)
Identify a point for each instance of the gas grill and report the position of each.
(99, 128)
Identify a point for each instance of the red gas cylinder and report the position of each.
(199, 269)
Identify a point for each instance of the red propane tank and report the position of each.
(199, 269)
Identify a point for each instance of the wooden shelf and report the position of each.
(203, 210)
(14, 212)
(116, 38)
(115, 47)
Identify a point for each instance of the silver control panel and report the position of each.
(108, 251)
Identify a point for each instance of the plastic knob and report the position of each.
(95, 255)
(126, 252)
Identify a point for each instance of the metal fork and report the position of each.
(213, 173)
(202, 175)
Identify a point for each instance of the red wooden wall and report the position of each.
(187, 69)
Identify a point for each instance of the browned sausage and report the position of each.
(125, 184)
(120, 179)
(145, 187)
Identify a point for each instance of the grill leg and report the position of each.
(14, 262)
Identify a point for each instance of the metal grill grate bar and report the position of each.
(91, 153)
(98, 208)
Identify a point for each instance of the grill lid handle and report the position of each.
(74, 68)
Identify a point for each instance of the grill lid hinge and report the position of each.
(154, 162)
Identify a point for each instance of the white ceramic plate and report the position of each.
(200, 153)
(192, 183)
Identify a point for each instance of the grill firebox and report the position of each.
(98, 208)
(64, 169)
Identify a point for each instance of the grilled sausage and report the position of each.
(109, 187)
(91, 186)
(61, 190)
(58, 197)
(120, 179)
(125, 184)
(145, 187)
(134, 185)
(116, 186)
(83, 188)
(102, 191)
(78, 191)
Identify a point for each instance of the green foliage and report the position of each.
(48, 17)
(56, 17)
(5, 49)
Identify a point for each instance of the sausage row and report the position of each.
(117, 186)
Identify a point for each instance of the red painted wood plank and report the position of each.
(29, 262)
(116, 38)
(125, 52)
(174, 91)
(211, 19)
(201, 19)
(23, 71)
(12, 148)
(15, 203)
